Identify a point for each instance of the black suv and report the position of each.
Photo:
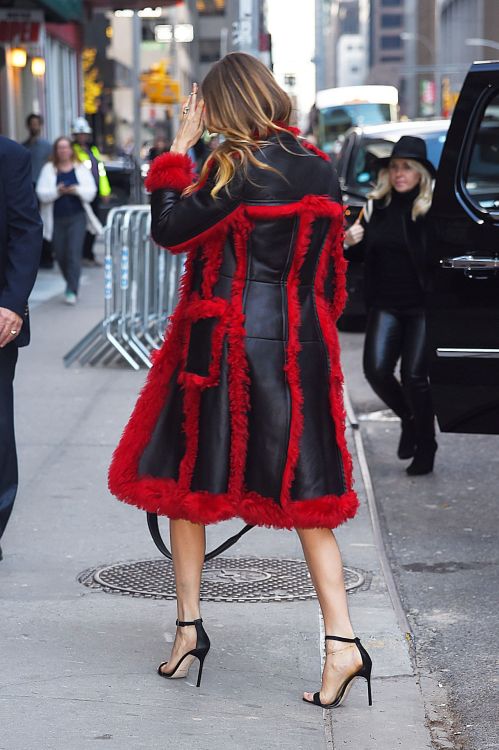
(356, 167)
(463, 301)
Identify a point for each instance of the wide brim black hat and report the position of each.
(409, 147)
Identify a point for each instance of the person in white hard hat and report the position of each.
(90, 156)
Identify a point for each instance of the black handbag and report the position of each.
(152, 523)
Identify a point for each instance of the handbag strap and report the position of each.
(152, 523)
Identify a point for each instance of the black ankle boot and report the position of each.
(424, 458)
(407, 444)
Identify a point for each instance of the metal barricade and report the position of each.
(140, 292)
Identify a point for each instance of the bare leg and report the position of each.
(326, 570)
(188, 543)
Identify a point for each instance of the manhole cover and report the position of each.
(228, 579)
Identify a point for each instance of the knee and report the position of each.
(377, 373)
(415, 381)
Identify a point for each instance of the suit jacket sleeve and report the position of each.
(24, 231)
(176, 220)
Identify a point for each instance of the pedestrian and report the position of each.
(159, 147)
(66, 190)
(242, 412)
(40, 150)
(90, 156)
(20, 249)
(391, 238)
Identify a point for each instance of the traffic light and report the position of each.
(158, 86)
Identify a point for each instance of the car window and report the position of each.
(363, 168)
(481, 178)
(434, 147)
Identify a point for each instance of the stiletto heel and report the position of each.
(364, 671)
(198, 652)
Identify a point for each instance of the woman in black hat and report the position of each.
(391, 238)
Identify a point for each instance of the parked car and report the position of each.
(357, 173)
(463, 302)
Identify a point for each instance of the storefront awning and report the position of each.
(129, 4)
(62, 10)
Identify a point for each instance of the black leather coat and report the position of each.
(242, 413)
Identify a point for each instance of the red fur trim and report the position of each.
(239, 381)
(162, 496)
(123, 471)
(320, 205)
(311, 147)
(212, 257)
(292, 368)
(196, 310)
(192, 403)
(170, 171)
(214, 233)
(328, 312)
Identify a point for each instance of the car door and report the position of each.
(463, 302)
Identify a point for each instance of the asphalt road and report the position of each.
(441, 536)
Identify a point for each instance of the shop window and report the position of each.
(209, 50)
(210, 7)
(481, 178)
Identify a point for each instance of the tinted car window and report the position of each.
(363, 168)
(481, 178)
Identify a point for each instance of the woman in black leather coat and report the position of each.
(242, 412)
(391, 238)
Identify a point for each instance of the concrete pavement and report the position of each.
(78, 665)
(441, 536)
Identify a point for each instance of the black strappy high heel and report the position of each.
(364, 671)
(199, 652)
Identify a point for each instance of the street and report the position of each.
(80, 662)
(439, 534)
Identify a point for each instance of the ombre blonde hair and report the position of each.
(244, 104)
(422, 202)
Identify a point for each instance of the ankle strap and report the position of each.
(343, 640)
(183, 623)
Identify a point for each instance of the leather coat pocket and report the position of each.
(206, 328)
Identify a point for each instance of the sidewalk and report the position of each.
(78, 664)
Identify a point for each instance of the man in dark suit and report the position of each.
(20, 248)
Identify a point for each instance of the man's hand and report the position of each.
(10, 326)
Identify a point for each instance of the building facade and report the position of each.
(40, 52)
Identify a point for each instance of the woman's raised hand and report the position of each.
(355, 234)
(191, 125)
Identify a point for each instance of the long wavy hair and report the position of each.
(244, 104)
(422, 201)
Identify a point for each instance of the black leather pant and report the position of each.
(390, 335)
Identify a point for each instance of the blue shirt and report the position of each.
(67, 205)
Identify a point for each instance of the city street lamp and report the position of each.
(411, 35)
(482, 43)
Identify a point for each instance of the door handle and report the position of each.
(471, 263)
